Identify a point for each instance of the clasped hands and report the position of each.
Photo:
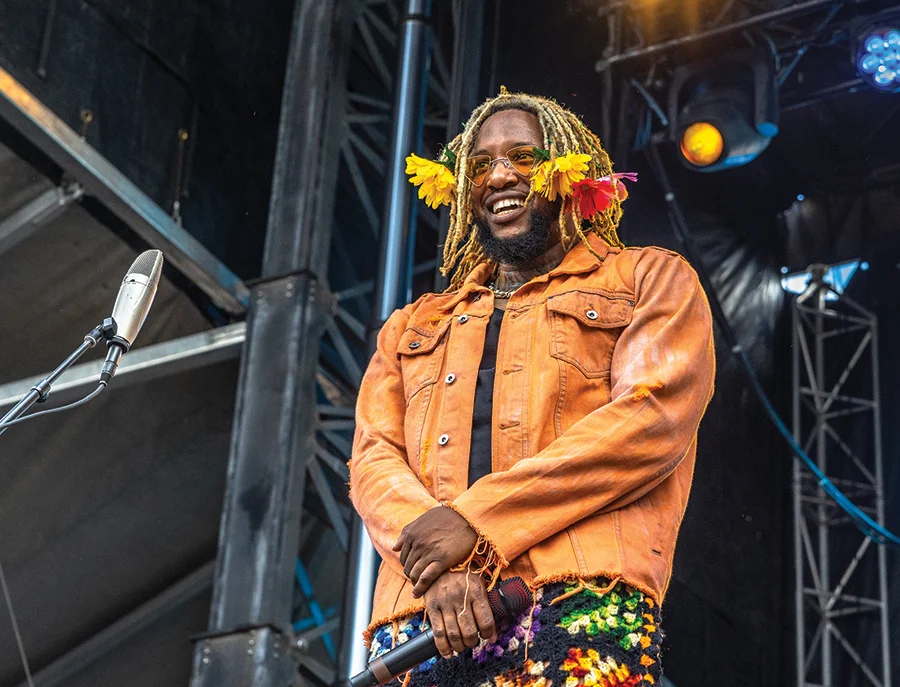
(429, 546)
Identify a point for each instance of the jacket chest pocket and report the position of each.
(421, 352)
(584, 328)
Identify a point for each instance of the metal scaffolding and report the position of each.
(358, 123)
(837, 421)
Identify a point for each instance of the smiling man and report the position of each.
(538, 419)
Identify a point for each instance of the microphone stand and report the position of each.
(41, 390)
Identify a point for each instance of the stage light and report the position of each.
(837, 276)
(723, 113)
(702, 144)
(800, 197)
(877, 50)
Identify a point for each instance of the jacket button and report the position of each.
(414, 344)
(592, 314)
(450, 378)
(443, 439)
(463, 319)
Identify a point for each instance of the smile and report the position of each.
(507, 205)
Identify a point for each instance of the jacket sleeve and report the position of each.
(385, 491)
(661, 381)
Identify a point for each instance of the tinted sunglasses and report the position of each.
(522, 159)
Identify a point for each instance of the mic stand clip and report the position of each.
(41, 390)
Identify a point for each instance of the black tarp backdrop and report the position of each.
(729, 611)
(122, 498)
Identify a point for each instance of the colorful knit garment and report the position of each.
(588, 638)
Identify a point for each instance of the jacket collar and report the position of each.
(578, 260)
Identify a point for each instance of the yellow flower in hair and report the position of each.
(555, 177)
(434, 180)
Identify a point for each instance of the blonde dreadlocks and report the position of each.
(564, 132)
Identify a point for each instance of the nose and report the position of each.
(501, 175)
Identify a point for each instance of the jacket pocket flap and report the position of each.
(418, 340)
(594, 309)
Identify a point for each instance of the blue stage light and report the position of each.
(837, 276)
(878, 56)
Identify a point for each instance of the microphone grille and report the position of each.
(510, 599)
(149, 264)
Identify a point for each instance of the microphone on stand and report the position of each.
(510, 599)
(131, 307)
(129, 312)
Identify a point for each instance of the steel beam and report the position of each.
(36, 213)
(781, 14)
(141, 364)
(103, 181)
(273, 435)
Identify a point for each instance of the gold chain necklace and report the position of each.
(503, 294)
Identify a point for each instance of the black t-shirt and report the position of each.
(480, 454)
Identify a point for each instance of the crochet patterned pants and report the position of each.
(588, 637)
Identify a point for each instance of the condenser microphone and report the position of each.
(510, 599)
(131, 307)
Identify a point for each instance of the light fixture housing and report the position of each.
(736, 96)
(876, 50)
(836, 276)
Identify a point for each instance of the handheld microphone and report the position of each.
(131, 307)
(511, 598)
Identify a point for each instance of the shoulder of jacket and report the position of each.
(639, 253)
(636, 263)
(653, 258)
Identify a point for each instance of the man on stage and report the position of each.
(538, 419)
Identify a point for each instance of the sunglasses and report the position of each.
(522, 160)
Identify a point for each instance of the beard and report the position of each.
(522, 249)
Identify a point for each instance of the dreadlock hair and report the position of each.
(564, 132)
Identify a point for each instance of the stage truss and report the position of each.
(837, 421)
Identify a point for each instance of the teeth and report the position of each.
(507, 205)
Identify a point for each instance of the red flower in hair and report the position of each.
(595, 195)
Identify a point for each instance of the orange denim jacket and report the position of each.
(604, 369)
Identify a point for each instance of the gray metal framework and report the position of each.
(837, 421)
(36, 213)
(361, 123)
(99, 178)
(250, 632)
(788, 29)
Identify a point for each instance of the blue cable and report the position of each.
(315, 610)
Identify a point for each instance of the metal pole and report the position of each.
(799, 611)
(822, 512)
(405, 133)
(249, 639)
(406, 127)
(879, 508)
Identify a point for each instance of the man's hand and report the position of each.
(458, 618)
(432, 544)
